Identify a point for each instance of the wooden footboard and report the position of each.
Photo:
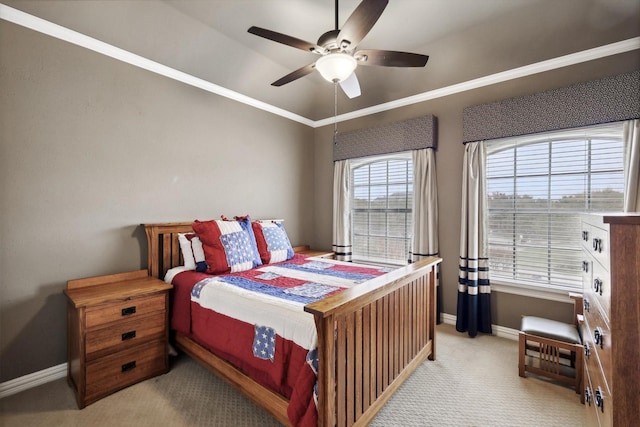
(370, 337)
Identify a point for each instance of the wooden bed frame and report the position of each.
(370, 337)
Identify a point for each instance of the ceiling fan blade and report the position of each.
(351, 86)
(287, 40)
(300, 72)
(390, 58)
(360, 23)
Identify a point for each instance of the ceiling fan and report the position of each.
(339, 57)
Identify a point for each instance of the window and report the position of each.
(381, 208)
(537, 187)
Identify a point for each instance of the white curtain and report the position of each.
(425, 205)
(425, 212)
(474, 290)
(342, 210)
(631, 137)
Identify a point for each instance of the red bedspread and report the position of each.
(289, 373)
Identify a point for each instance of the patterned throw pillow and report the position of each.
(272, 241)
(229, 246)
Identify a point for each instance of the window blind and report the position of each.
(382, 223)
(537, 188)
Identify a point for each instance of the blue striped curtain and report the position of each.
(474, 289)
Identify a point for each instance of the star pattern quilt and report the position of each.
(256, 320)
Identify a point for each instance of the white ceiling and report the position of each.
(465, 39)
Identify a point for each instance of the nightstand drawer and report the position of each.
(116, 371)
(124, 310)
(123, 335)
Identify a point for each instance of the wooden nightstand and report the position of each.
(306, 250)
(117, 332)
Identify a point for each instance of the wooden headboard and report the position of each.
(163, 246)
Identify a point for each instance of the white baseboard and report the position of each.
(35, 379)
(60, 371)
(499, 331)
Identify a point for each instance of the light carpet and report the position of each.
(473, 382)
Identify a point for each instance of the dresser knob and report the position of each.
(599, 399)
(587, 395)
(597, 245)
(587, 350)
(598, 337)
(597, 285)
(128, 366)
(129, 311)
(128, 335)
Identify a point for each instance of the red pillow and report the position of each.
(229, 246)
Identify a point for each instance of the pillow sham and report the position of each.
(192, 252)
(272, 241)
(229, 246)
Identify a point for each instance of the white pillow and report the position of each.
(192, 251)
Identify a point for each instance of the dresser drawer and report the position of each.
(598, 329)
(601, 400)
(116, 371)
(598, 245)
(601, 288)
(125, 334)
(591, 417)
(125, 309)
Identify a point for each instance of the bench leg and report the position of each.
(522, 339)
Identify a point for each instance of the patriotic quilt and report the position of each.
(255, 319)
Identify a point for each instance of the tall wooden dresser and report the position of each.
(611, 332)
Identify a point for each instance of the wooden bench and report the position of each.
(553, 349)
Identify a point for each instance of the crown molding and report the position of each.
(527, 70)
(54, 30)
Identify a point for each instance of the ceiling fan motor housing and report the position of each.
(329, 40)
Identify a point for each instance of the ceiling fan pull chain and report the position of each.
(336, 15)
(335, 111)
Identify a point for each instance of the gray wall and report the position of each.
(90, 148)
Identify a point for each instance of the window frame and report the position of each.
(549, 290)
(408, 223)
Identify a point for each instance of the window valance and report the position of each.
(405, 135)
(605, 100)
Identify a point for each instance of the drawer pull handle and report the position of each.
(128, 335)
(585, 236)
(586, 304)
(598, 337)
(597, 285)
(597, 245)
(585, 266)
(587, 350)
(128, 366)
(599, 399)
(129, 311)
(587, 395)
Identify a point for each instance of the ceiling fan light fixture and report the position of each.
(336, 67)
